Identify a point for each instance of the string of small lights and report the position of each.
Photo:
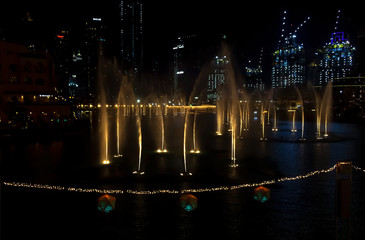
(358, 168)
(167, 191)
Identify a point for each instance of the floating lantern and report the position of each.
(106, 203)
(189, 202)
(261, 194)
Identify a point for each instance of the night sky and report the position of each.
(250, 25)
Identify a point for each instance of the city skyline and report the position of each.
(252, 36)
(252, 24)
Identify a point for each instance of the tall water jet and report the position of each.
(184, 147)
(199, 85)
(302, 109)
(275, 125)
(162, 149)
(118, 119)
(104, 135)
(326, 106)
(323, 110)
(219, 115)
(103, 113)
(318, 115)
(242, 111)
(233, 124)
(293, 120)
(195, 149)
(230, 92)
(125, 98)
(139, 128)
(247, 115)
(262, 118)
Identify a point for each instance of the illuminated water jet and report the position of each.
(219, 115)
(162, 149)
(194, 150)
(293, 120)
(262, 116)
(184, 148)
(275, 127)
(139, 146)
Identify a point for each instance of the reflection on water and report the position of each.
(306, 205)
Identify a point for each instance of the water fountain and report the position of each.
(162, 148)
(247, 115)
(103, 116)
(293, 129)
(139, 127)
(233, 123)
(302, 109)
(323, 109)
(195, 149)
(262, 119)
(232, 108)
(219, 115)
(326, 106)
(186, 172)
(275, 124)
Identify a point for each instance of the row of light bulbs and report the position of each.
(166, 191)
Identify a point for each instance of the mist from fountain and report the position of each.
(326, 106)
(195, 147)
(302, 109)
(103, 114)
(323, 109)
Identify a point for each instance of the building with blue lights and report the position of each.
(336, 59)
(289, 64)
(289, 59)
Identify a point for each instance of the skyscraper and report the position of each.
(216, 78)
(131, 33)
(289, 59)
(289, 64)
(336, 57)
(178, 67)
(93, 41)
(254, 75)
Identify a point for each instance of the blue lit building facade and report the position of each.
(336, 59)
(289, 64)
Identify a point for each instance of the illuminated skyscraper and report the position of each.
(216, 78)
(93, 41)
(178, 67)
(289, 60)
(336, 57)
(185, 65)
(254, 75)
(131, 33)
(289, 64)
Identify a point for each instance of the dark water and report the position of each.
(301, 209)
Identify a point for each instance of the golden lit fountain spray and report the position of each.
(185, 173)
(195, 150)
(139, 146)
(275, 127)
(263, 138)
(162, 149)
(219, 114)
(233, 124)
